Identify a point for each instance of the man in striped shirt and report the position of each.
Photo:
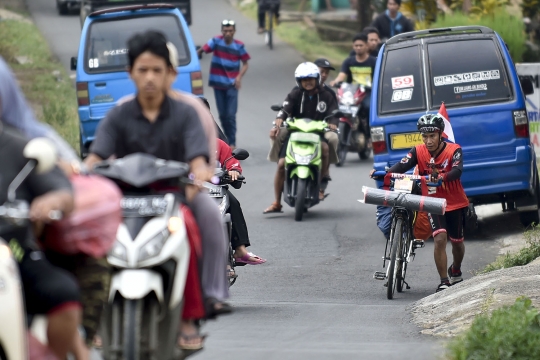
(226, 75)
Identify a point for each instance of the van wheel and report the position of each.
(527, 218)
(62, 8)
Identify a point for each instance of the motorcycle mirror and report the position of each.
(240, 154)
(276, 107)
(41, 155)
(43, 152)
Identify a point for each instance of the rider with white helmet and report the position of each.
(308, 100)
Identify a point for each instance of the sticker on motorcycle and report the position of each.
(401, 82)
(467, 77)
(402, 95)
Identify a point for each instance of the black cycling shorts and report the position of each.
(47, 289)
(451, 223)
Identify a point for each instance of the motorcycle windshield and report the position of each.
(140, 170)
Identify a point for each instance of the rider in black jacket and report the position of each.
(308, 100)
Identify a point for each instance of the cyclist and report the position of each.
(309, 100)
(441, 160)
(263, 6)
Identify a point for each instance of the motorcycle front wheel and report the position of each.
(301, 193)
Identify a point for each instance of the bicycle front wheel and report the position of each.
(393, 266)
(403, 252)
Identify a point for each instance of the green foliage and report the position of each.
(509, 333)
(507, 26)
(43, 79)
(523, 257)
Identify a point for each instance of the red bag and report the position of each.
(91, 227)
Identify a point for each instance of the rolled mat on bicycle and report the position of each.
(413, 202)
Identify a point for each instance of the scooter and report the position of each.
(219, 194)
(303, 162)
(16, 341)
(353, 126)
(149, 260)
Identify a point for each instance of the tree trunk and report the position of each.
(466, 6)
(363, 13)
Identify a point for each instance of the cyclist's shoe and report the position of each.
(260, 30)
(418, 243)
(455, 277)
(443, 286)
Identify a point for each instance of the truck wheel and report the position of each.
(527, 218)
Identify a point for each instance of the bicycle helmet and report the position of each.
(430, 123)
(307, 70)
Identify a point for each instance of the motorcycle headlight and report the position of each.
(302, 160)
(154, 245)
(119, 251)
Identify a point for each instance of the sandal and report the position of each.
(246, 259)
(188, 338)
(274, 208)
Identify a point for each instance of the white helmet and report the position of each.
(307, 70)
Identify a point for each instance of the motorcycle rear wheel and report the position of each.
(301, 193)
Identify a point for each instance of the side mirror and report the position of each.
(526, 85)
(276, 107)
(240, 154)
(73, 63)
(43, 151)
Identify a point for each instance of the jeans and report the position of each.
(227, 104)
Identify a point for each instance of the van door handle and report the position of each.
(101, 84)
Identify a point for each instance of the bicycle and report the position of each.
(401, 245)
(270, 21)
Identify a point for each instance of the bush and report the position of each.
(507, 26)
(509, 333)
(523, 257)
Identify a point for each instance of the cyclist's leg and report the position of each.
(454, 220)
(438, 225)
(261, 15)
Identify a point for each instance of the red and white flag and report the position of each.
(448, 133)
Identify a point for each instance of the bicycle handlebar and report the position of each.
(417, 178)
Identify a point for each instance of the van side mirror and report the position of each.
(73, 63)
(526, 85)
(276, 107)
(240, 154)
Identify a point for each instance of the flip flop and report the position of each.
(192, 347)
(246, 259)
(273, 209)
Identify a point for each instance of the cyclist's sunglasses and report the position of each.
(228, 23)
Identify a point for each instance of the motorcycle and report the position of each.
(149, 260)
(219, 194)
(17, 342)
(354, 125)
(303, 162)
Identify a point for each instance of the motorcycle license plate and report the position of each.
(354, 110)
(345, 109)
(405, 141)
(143, 206)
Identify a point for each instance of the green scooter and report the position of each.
(303, 161)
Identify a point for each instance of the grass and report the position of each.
(523, 257)
(43, 79)
(305, 40)
(508, 333)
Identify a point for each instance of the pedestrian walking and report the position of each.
(392, 22)
(229, 65)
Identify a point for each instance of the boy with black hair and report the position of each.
(392, 22)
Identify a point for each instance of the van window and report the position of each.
(402, 86)
(106, 43)
(465, 72)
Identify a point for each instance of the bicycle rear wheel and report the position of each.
(393, 265)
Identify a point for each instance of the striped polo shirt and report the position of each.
(225, 65)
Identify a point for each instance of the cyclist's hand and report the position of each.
(332, 126)
(234, 175)
(371, 173)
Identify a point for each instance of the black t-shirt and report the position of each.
(299, 104)
(12, 144)
(177, 134)
(359, 72)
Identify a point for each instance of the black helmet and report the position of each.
(430, 123)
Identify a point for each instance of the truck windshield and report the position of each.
(106, 43)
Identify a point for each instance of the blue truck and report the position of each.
(471, 71)
(101, 77)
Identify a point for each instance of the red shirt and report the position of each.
(223, 153)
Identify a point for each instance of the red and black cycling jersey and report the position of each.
(448, 163)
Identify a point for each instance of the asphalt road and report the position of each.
(315, 298)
